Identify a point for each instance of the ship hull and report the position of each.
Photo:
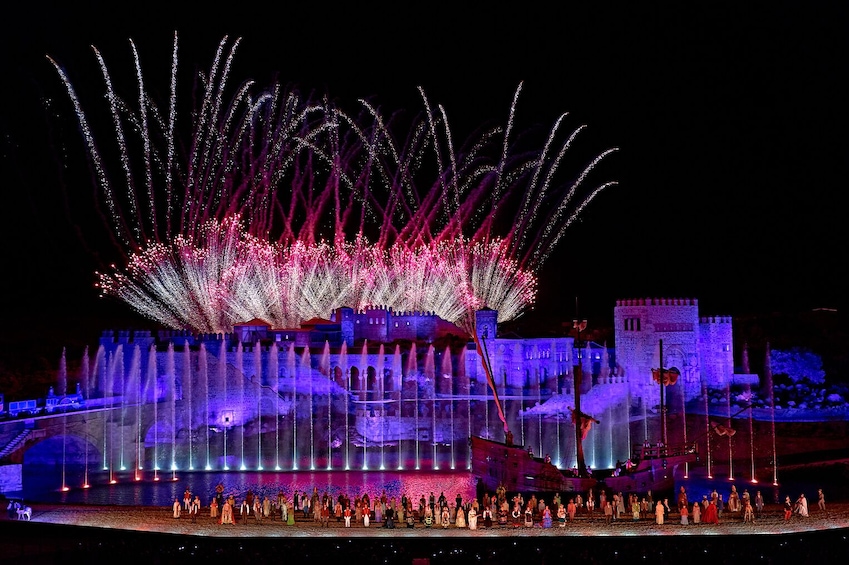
(497, 464)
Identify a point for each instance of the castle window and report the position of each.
(632, 324)
(408, 322)
(396, 324)
(726, 347)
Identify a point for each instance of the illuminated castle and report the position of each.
(381, 385)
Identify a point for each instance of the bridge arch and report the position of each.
(64, 449)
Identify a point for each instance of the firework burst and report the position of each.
(283, 207)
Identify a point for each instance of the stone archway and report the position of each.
(68, 449)
(59, 461)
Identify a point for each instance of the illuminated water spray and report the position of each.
(306, 373)
(274, 375)
(380, 392)
(189, 389)
(769, 384)
(171, 373)
(221, 381)
(398, 388)
(240, 372)
(324, 369)
(63, 388)
(290, 365)
(346, 385)
(151, 393)
(430, 380)
(204, 395)
(446, 377)
(362, 396)
(413, 380)
(130, 393)
(89, 373)
(257, 390)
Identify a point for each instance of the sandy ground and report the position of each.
(63, 534)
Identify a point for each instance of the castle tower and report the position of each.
(639, 327)
(345, 318)
(716, 345)
(486, 323)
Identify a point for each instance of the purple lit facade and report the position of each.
(376, 389)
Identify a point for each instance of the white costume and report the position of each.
(802, 506)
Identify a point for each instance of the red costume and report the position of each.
(710, 515)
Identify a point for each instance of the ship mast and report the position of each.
(663, 434)
(480, 343)
(580, 326)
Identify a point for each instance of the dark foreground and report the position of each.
(63, 534)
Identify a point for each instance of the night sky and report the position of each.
(731, 123)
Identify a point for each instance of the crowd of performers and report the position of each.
(491, 510)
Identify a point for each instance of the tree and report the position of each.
(798, 365)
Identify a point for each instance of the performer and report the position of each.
(487, 517)
(710, 515)
(227, 513)
(802, 506)
(347, 515)
(734, 500)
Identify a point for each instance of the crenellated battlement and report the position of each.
(126, 337)
(715, 320)
(166, 335)
(658, 302)
(413, 314)
(388, 311)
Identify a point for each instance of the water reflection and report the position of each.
(39, 485)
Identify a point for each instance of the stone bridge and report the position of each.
(100, 437)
